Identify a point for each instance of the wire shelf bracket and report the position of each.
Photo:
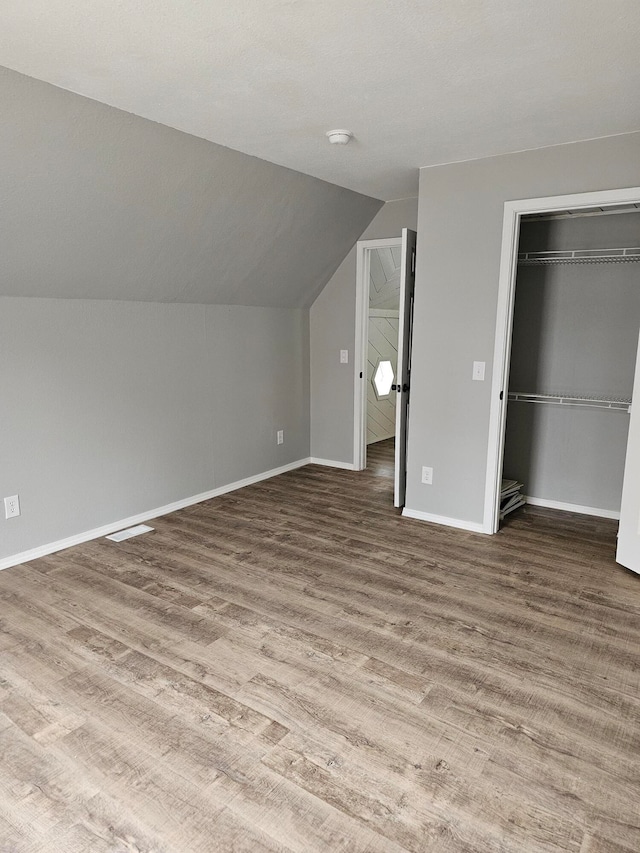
(580, 256)
(623, 405)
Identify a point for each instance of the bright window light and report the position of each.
(383, 378)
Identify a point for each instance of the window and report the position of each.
(383, 378)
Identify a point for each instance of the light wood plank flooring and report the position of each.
(293, 667)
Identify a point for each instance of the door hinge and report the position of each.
(360, 374)
(502, 395)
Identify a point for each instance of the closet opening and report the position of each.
(575, 329)
(570, 303)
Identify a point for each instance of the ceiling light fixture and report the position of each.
(339, 137)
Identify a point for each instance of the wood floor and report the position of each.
(294, 667)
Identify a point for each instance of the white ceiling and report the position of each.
(419, 82)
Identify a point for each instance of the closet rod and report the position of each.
(581, 256)
(568, 400)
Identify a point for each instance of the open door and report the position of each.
(403, 373)
(628, 551)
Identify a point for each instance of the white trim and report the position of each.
(360, 347)
(565, 507)
(513, 212)
(112, 527)
(381, 243)
(472, 526)
(360, 355)
(501, 361)
(331, 463)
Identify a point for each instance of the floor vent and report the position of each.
(121, 535)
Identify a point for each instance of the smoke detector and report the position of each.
(339, 137)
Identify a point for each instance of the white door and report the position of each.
(403, 373)
(628, 552)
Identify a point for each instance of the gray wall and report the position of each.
(101, 204)
(332, 328)
(575, 331)
(118, 402)
(115, 408)
(460, 216)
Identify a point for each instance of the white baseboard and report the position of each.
(473, 526)
(565, 507)
(330, 463)
(112, 527)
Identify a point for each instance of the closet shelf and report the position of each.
(571, 400)
(580, 256)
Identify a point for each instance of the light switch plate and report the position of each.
(478, 371)
(344, 356)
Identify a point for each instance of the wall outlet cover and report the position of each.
(344, 356)
(12, 506)
(280, 436)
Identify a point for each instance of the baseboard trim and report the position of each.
(113, 527)
(472, 526)
(330, 463)
(565, 507)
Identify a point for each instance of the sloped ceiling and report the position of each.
(419, 82)
(97, 203)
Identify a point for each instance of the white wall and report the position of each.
(459, 239)
(112, 409)
(332, 328)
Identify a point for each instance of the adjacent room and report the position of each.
(319, 457)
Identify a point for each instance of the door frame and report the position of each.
(361, 344)
(513, 213)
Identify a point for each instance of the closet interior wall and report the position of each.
(575, 333)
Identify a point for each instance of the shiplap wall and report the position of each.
(384, 297)
(383, 344)
(384, 278)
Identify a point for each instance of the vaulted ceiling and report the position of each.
(99, 204)
(419, 82)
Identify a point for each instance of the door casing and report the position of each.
(513, 213)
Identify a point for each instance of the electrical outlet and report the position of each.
(280, 436)
(344, 356)
(427, 475)
(12, 507)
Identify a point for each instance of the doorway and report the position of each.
(385, 277)
(576, 407)
(382, 342)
